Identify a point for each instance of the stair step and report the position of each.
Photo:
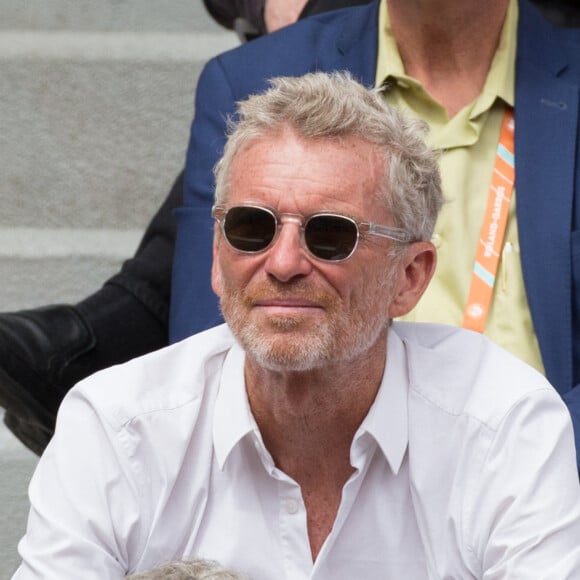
(174, 15)
(91, 142)
(110, 46)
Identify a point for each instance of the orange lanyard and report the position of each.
(493, 229)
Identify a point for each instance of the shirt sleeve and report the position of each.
(84, 513)
(524, 515)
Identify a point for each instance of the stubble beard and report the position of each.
(290, 343)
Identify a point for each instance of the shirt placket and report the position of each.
(297, 556)
(293, 528)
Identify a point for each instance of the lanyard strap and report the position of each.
(493, 229)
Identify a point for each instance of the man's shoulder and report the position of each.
(169, 378)
(462, 373)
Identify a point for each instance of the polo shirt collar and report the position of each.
(500, 81)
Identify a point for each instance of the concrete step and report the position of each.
(16, 467)
(169, 15)
(43, 266)
(94, 131)
(95, 126)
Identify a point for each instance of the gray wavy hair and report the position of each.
(333, 106)
(198, 569)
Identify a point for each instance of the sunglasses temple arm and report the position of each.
(396, 234)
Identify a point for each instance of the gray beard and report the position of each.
(332, 342)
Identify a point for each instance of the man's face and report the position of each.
(289, 310)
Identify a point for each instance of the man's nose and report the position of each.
(288, 258)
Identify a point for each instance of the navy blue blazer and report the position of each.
(547, 165)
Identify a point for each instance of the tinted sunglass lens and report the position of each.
(249, 229)
(331, 238)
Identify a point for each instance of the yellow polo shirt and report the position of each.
(468, 142)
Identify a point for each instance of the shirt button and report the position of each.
(292, 506)
(436, 240)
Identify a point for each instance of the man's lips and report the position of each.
(287, 303)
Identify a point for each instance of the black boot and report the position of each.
(44, 352)
(30, 433)
(35, 347)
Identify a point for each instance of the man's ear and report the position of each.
(216, 274)
(415, 270)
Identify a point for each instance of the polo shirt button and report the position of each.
(292, 506)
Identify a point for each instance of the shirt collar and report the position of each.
(233, 418)
(500, 81)
(387, 420)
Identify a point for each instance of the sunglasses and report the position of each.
(329, 237)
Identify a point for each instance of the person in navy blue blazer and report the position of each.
(547, 143)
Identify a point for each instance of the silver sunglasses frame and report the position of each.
(363, 228)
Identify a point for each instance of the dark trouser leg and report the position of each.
(44, 352)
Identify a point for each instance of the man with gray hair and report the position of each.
(310, 437)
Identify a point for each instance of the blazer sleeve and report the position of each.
(194, 306)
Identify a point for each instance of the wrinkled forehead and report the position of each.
(305, 175)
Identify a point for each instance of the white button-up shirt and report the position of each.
(464, 468)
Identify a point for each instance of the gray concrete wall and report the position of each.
(96, 99)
